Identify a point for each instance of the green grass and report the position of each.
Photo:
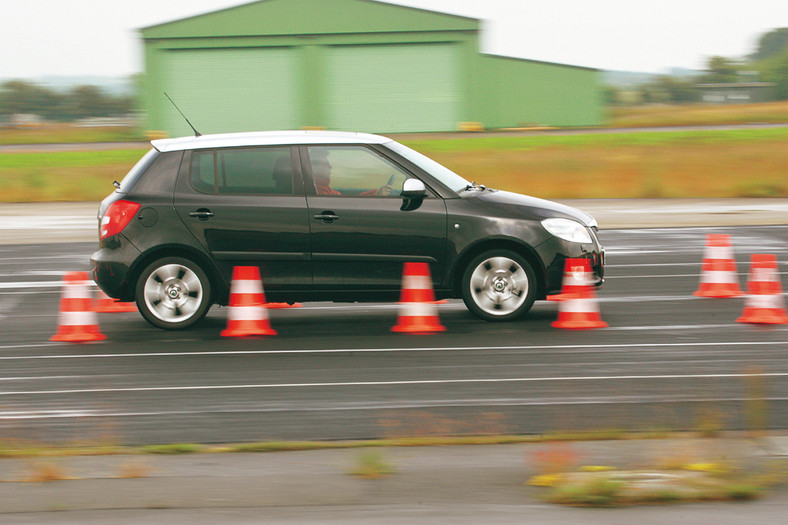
(596, 140)
(67, 134)
(672, 164)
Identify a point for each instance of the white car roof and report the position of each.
(267, 138)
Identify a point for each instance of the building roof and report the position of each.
(309, 17)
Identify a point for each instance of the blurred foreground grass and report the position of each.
(674, 164)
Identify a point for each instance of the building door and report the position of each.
(393, 88)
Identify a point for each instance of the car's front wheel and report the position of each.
(499, 285)
(173, 293)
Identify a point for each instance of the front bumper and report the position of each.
(554, 254)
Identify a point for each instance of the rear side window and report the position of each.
(261, 171)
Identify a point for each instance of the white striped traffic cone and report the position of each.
(77, 321)
(418, 313)
(718, 275)
(579, 310)
(764, 303)
(247, 316)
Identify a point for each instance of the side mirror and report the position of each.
(413, 189)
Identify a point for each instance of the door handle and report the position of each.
(326, 217)
(203, 214)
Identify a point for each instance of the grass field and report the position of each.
(65, 133)
(699, 115)
(63, 176)
(734, 163)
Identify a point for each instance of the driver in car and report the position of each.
(321, 173)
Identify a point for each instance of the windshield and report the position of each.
(138, 169)
(442, 173)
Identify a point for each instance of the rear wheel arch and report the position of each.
(219, 286)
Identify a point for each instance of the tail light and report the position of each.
(117, 216)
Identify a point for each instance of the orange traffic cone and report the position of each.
(718, 274)
(247, 316)
(578, 309)
(573, 283)
(418, 313)
(76, 321)
(105, 304)
(764, 303)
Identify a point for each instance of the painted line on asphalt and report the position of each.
(600, 347)
(355, 407)
(28, 345)
(414, 382)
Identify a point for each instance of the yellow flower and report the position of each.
(545, 480)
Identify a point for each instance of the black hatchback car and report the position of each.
(325, 216)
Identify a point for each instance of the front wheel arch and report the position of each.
(524, 251)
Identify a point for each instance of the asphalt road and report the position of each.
(668, 360)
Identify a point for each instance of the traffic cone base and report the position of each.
(105, 304)
(762, 316)
(76, 320)
(579, 314)
(247, 315)
(274, 306)
(418, 311)
(78, 334)
(419, 325)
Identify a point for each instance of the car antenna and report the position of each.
(196, 133)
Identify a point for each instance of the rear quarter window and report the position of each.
(161, 174)
(136, 172)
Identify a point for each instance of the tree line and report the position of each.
(23, 97)
(768, 63)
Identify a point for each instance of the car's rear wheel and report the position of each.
(499, 285)
(173, 293)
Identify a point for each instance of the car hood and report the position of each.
(533, 206)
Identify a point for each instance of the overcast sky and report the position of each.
(100, 37)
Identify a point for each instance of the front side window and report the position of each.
(266, 171)
(440, 172)
(354, 171)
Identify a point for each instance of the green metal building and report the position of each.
(357, 65)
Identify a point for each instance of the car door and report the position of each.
(247, 207)
(361, 231)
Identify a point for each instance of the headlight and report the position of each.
(567, 230)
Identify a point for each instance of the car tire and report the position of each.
(173, 293)
(499, 285)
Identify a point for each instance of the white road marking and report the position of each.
(48, 222)
(413, 382)
(558, 348)
(351, 407)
